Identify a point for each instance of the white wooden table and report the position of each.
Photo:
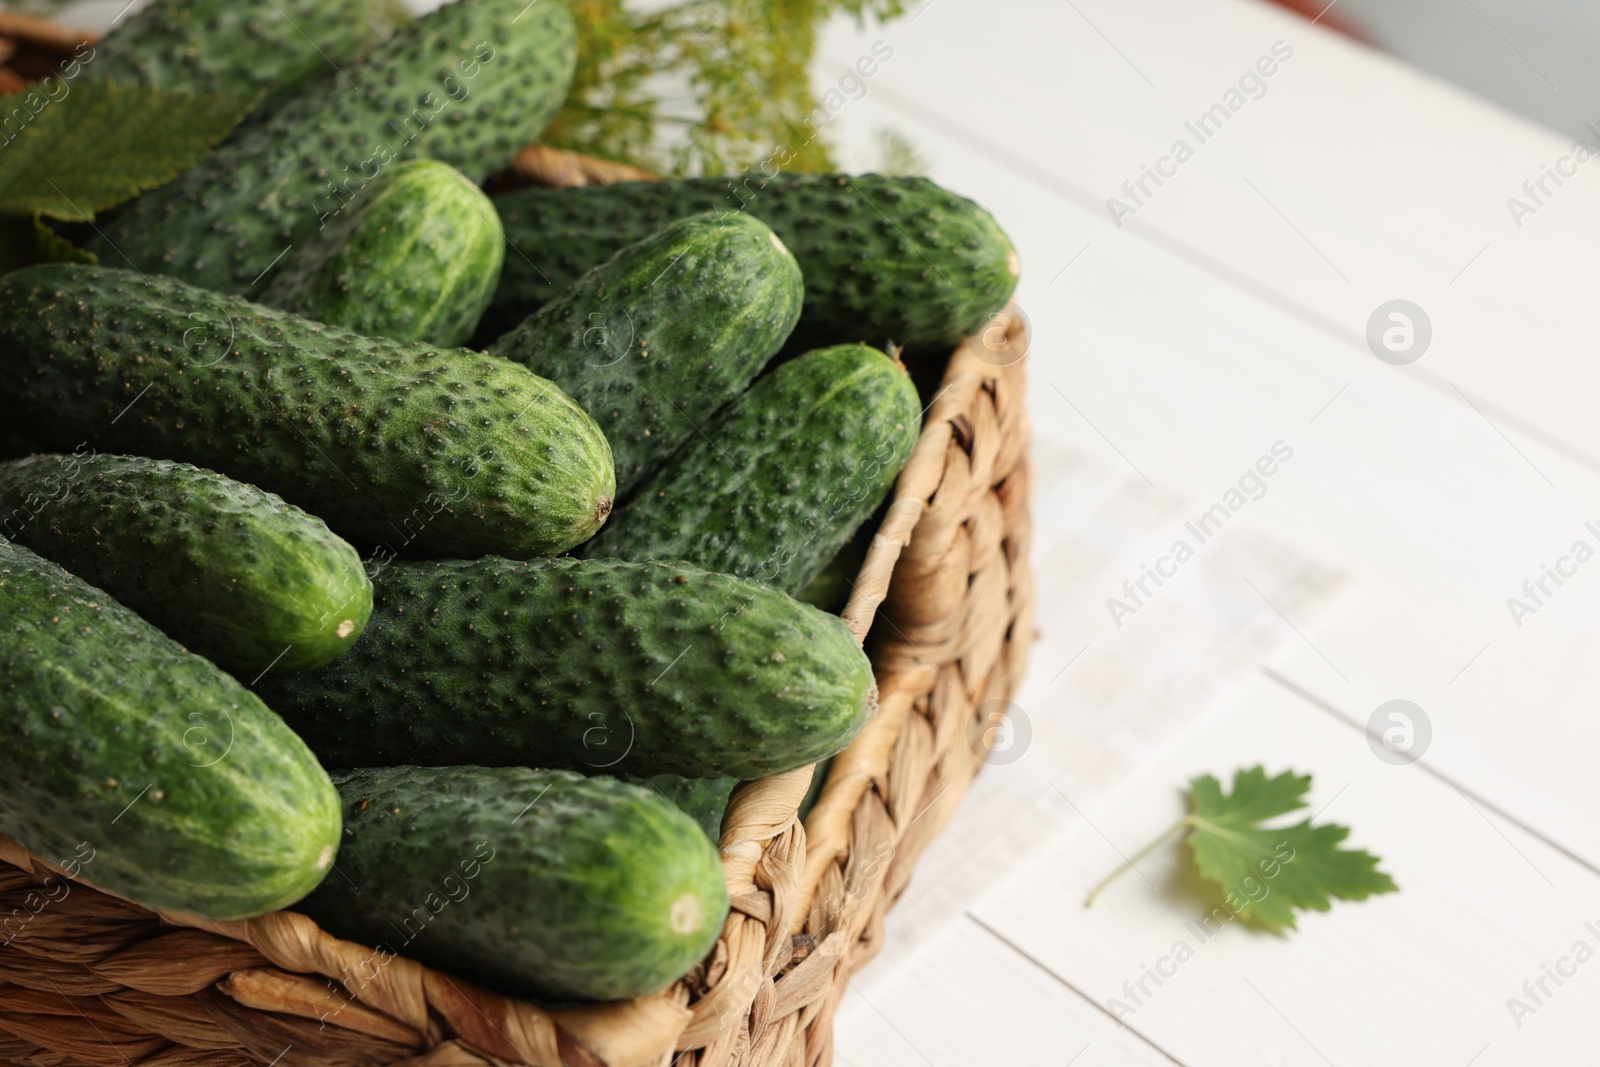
(1229, 312)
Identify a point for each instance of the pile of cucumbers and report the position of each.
(500, 510)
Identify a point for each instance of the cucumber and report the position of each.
(780, 480)
(268, 49)
(657, 338)
(467, 84)
(599, 666)
(189, 794)
(819, 779)
(543, 883)
(403, 446)
(414, 257)
(830, 590)
(702, 799)
(227, 569)
(885, 259)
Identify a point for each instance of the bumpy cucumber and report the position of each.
(702, 799)
(188, 793)
(599, 666)
(782, 478)
(657, 338)
(441, 451)
(819, 779)
(415, 257)
(466, 84)
(885, 259)
(264, 48)
(544, 883)
(230, 570)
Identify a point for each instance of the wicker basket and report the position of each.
(32, 48)
(89, 978)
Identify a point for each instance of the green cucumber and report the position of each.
(189, 793)
(819, 779)
(268, 49)
(542, 883)
(657, 338)
(885, 259)
(599, 666)
(441, 451)
(467, 84)
(227, 569)
(778, 482)
(702, 799)
(414, 257)
(830, 590)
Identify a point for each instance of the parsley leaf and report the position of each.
(103, 143)
(1273, 871)
(1267, 872)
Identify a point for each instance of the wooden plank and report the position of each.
(1350, 180)
(970, 999)
(1437, 507)
(1100, 700)
(1423, 975)
(1184, 344)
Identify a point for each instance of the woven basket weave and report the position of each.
(32, 48)
(88, 978)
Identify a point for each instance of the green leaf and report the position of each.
(26, 240)
(102, 143)
(53, 248)
(1267, 872)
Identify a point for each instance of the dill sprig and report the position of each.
(700, 86)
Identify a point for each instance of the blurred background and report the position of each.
(1532, 57)
(1536, 58)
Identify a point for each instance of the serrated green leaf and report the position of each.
(53, 248)
(96, 144)
(1265, 872)
(26, 240)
